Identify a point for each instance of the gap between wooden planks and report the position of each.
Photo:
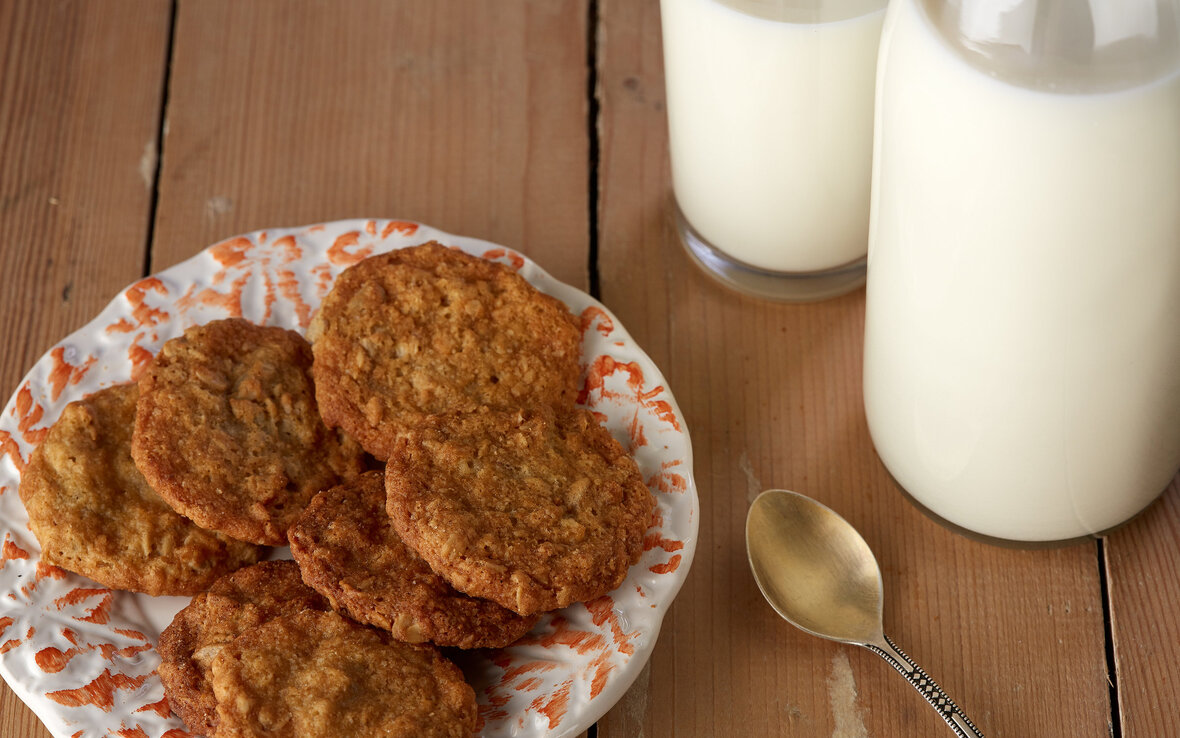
(467, 116)
(772, 398)
(80, 94)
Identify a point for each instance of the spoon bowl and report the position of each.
(817, 572)
(814, 568)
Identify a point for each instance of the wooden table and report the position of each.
(133, 133)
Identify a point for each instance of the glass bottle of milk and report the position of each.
(770, 117)
(1022, 341)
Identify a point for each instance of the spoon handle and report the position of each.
(927, 687)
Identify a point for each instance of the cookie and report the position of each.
(95, 514)
(228, 433)
(234, 604)
(532, 509)
(429, 330)
(318, 675)
(348, 552)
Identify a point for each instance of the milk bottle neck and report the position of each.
(1064, 45)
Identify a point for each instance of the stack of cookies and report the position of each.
(484, 499)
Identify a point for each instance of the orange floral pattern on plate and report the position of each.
(83, 656)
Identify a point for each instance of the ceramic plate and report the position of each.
(83, 657)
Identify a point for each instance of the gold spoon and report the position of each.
(819, 574)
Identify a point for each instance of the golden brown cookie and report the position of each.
(532, 509)
(228, 433)
(234, 604)
(319, 675)
(428, 330)
(95, 514)
(349, 552)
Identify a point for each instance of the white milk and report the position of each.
(771, 129)
(1022, 346)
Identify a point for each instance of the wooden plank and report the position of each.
(80, 89)
(1143, 561)
(468, 116)
(772, 396)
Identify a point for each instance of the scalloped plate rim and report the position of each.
(535, 274)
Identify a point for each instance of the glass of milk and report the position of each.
(1022, 338)
(770, 118)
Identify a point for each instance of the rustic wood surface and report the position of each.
(80, 92)
(540, 125)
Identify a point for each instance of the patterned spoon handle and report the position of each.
(927, 687)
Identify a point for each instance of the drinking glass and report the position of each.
(770, 117)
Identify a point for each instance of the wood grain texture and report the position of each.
(772, 397)
(471, 116)
(80, 90)
(1143, 560)
(468, 116)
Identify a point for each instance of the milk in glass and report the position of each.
(770, 127)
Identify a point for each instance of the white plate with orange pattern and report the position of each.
(83, 656)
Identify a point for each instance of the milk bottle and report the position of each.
(1022, 342)
(770, 106)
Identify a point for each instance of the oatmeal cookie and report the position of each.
(349, 552)
(234, 604)
(530, 508)
(319, 675)
(228, 433)
(430, 329)
(95, 514)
